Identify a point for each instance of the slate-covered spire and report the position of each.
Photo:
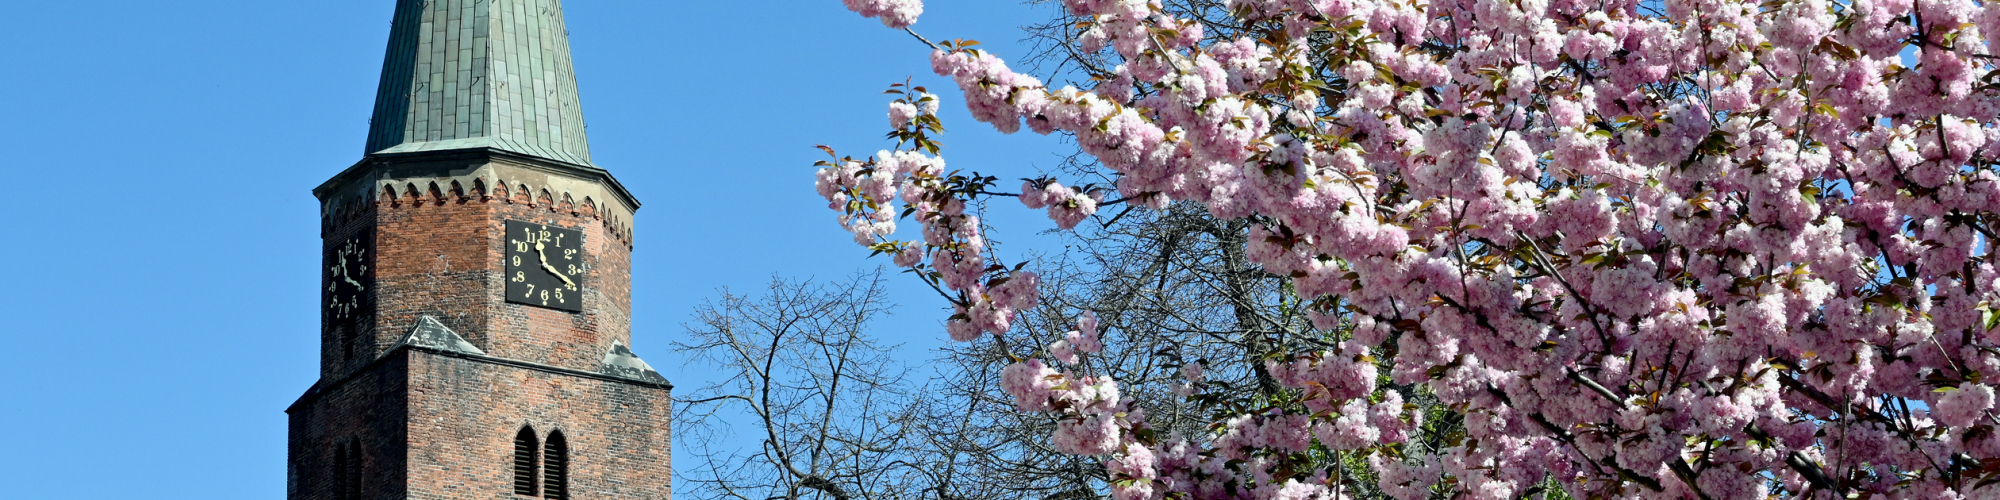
(465, 74)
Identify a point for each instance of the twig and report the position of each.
(921, 38)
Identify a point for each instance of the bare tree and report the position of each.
(826, 400)
(836, 415)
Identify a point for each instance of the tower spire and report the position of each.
(469, 74)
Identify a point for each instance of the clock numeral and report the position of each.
(573, 270)
(559, 296)
(519, 246)
(545, 236)
(520, 276)
(559, 240)
(517, 261)
(569, 253)
(545, 297)
(531, 291)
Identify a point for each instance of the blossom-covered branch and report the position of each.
(1676, 249)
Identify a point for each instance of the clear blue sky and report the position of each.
(162, 263)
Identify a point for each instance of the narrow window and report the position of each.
(340, 472)
(351, 483)
(346, 342)
(525, 449)
(555, 467)
(347, 470)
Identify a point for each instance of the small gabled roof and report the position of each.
(432, 334)
(620, 362)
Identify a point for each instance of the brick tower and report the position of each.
(476, 296)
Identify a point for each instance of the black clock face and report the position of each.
(544, 266)
(347, 278)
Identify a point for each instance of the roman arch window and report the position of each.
(541, 468)
(347, 470)
(526, 448)
(555, 467)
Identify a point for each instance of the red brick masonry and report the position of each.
(438, 423)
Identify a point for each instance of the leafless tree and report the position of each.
(828, 403)
(838, 415)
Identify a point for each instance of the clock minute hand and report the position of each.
(349, 279)
(551, 269)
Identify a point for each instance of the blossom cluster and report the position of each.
(898, 14)
(865, 192)
(1671, 250)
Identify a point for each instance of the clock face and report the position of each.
(347, 278)
(545, 266)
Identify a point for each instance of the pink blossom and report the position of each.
(897, 14)
(1086, 334)
(1597, 232)
(900, 114)
(1963, 406)
(1031, 383)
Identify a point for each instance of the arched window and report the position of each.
(555, 467)
(339, 470)
(347, 470)
(525, 450)
(353, 484)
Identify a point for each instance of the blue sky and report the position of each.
(160, 289)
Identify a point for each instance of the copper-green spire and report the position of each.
(466, 74)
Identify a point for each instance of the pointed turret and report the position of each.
(471, 74)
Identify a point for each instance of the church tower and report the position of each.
(476, 293)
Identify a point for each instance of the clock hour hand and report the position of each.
(349, 279)
(551, 269)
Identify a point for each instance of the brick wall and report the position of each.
(369, 408)
(435, 427)
(464, 415)
(437, 251)
(438, 425)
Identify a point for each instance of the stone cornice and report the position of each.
(480, 175)
(322, 387)
(361, 169)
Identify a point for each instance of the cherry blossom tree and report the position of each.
(1692, 249)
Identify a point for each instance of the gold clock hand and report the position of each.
(349, 279)
(551, 269)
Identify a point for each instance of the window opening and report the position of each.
(340, 472)
(525, 450)
(351, 484)
(555, 467)
(347, 470)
